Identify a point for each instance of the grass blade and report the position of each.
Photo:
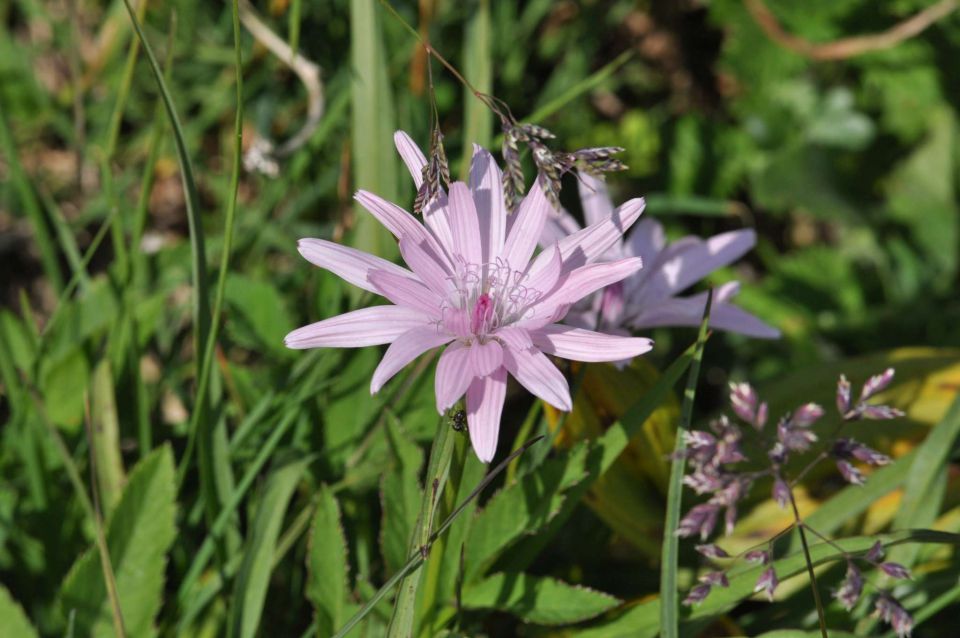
(374, 164)
(669, 617)
(478, 69)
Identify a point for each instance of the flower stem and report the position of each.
(806, 555)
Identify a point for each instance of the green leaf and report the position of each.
(545, 601)
(106, 437)
(927, 481)
(259, 317)
(12, 617)
(139, 533)
(643, 620)
(250, 587)
(63, 381)
(327, 584)
(400, 497)
(374, 161)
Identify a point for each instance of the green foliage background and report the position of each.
(301, 492)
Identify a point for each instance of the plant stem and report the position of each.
(806, 555)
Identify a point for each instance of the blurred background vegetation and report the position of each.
(846, 161)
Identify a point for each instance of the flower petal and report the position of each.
(401, 223)
(364, 327)
(426, 265)
(527, 228)
(558, 227)
(407, 347)
(588, 279)
(349, 264)
(485, 399)
(647, 240)
(404, 291)
(688, 311)
(585, 246)
(597, 205)
(548, 266)
(454, 374)
(485, 357)
(578, 344)
(485, 185)
(464, 224)
(537, 374)
(437, 220)
(411, 155)
(700, 259)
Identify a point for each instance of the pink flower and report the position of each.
(475, 286)
(649, 298)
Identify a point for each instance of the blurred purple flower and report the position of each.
(701, 519)
(697, 594)
(876, 553)
(851, 588)
(781, 492)
(891, 611)
(712, 551)
(850, 474)
(714, 579)
(649, 298)
(475, 286)
(760, 556)
(894, 570)
(767, 583)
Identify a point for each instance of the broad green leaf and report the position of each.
(63, 382)
(259, 316)
(374, 159)
(400, 496)
(522, 508)
(541, 600)
(250, 587)
(139, 533)
(327, 566)
(12, 617)
(922, 195)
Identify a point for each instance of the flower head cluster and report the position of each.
(648, 299)
(714, 455)
(474, 286)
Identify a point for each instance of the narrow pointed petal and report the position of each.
(464, 224)
(364, 327)
(453, 375)
(407, 347)
(698, 261)
(688, 311)
(527, 228)
(597, 205)
(585, 246)
(411, 155)
(485, 399)
(485, 358)
(395, 219)
(487, 190)
(347, 263)
(647, 240)
(428, 266)
(436, 217)
(558, 227)
(403, 291)
(588, 279)
(547, 266)
(578, 344)
(536, 373)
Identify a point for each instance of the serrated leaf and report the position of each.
(400, 496)
(522, 508)
(139, 533)
(327, 583)
(250, 587)
(12, 617)
(545, 601)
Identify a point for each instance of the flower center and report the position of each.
(482, 315)
(488, 297)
